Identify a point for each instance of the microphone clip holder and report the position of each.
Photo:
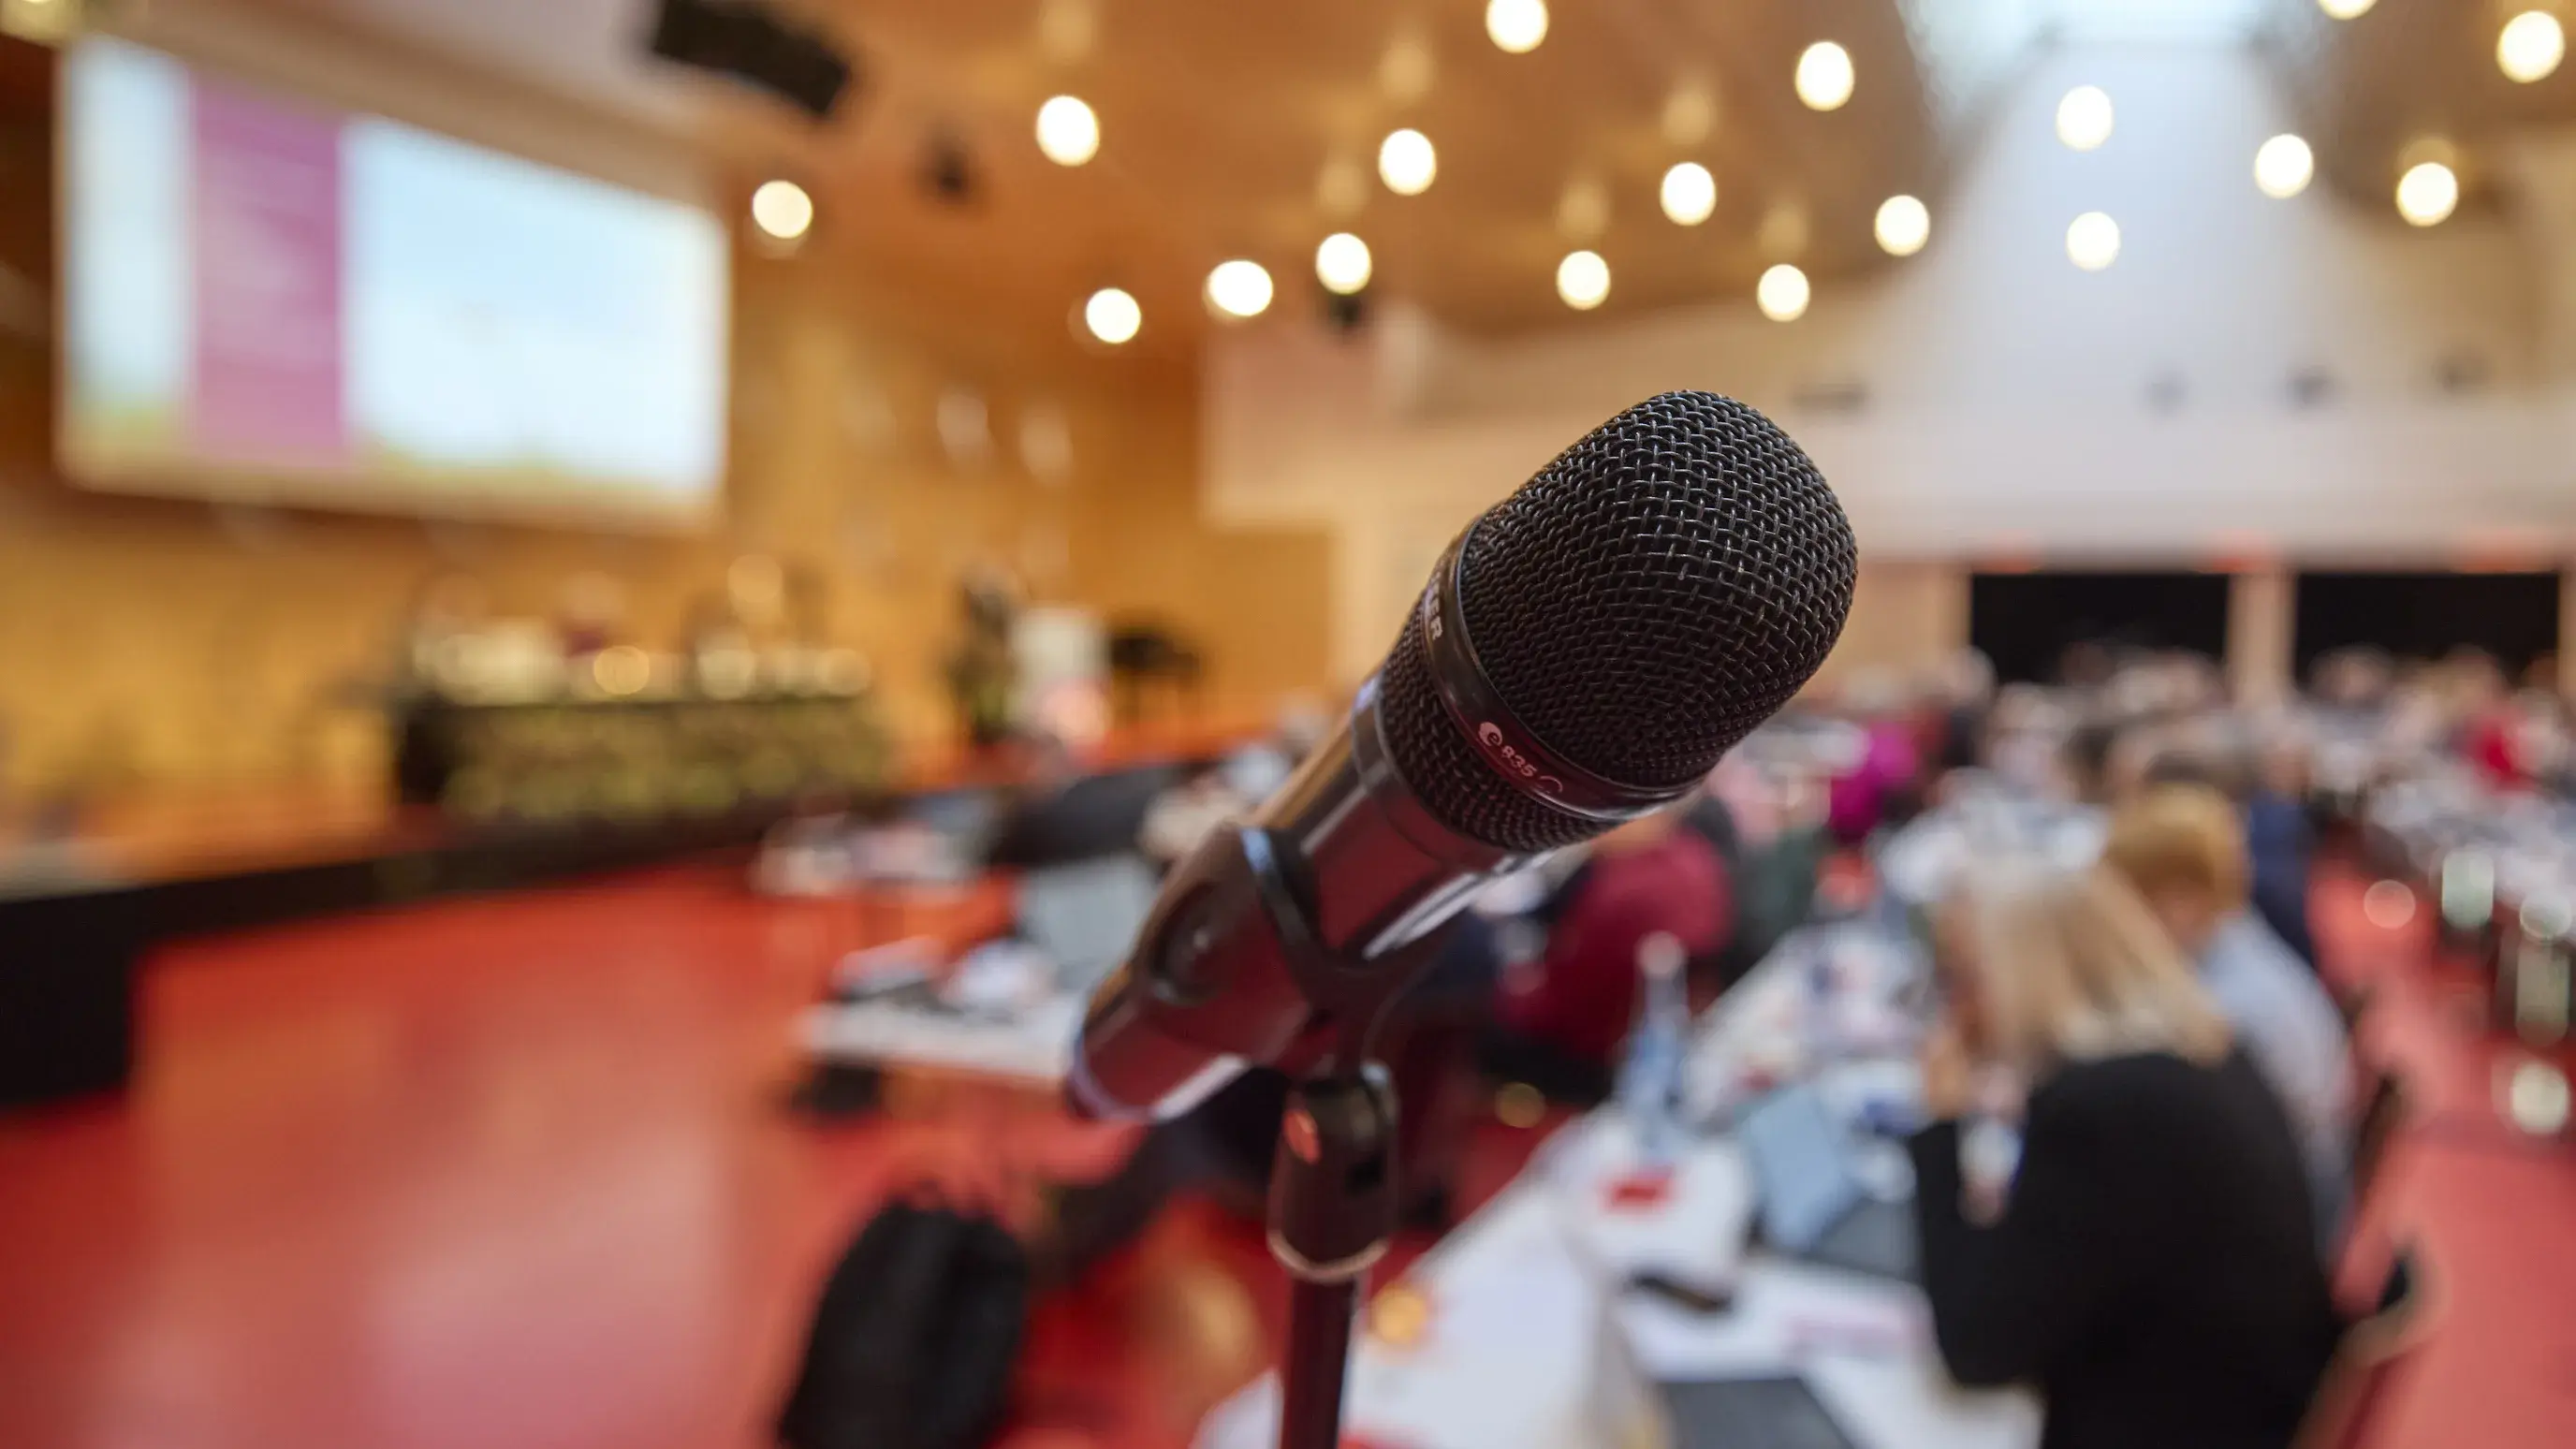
(1333, 1181)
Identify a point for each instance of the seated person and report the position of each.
(2085, 762)
(1966, 696)
(1182, 816)
(1560, 1020)
(2181, 848)
(2151, 1271)
(1705, 815)
(1771, 859)
(2282, 843)
(1881, 786)
(2279, 842)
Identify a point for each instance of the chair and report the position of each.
(1094, 816)
(1143, 655)
(2353, 1397)
(2388, 1107)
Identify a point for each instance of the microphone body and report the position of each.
(1346, 852)
(1581, 655)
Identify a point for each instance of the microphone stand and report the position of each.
(1332, 1210)
(1333, 1176)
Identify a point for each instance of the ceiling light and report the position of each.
(1342, 263)
(1068, 132)
(2084, 118)
(1784, 231)
(1067, 29)
(1583, 209)
(965, 426)
(1690, 113)
(1341, 188)
(2283, 166)
(782, 209)
(1583, 280)
(2428, 193)
(2345, 9)
(1406, 162)
(1112, 315)
(621, 669)
(1782, 293)
(1689, 194)
(1516, 25)
(1904, 225)
(1824, 76)
(1404, 73)
(2530, 46)
(2093, 241)
(1239, 288)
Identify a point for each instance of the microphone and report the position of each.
(1583, 653)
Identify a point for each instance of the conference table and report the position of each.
(1527, 1326)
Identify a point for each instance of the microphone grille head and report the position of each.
(1661, 588)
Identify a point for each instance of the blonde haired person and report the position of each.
(2182, 848)
(2152, 1271)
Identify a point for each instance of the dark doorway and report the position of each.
(2026, 622)
(2424, 616)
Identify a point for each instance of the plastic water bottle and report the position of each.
(1650, 1075)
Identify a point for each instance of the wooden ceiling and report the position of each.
(1221, 118)
(2410, 80)
(1219, 122)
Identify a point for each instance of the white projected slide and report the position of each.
(269, 299)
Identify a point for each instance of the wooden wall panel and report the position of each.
(147, 644)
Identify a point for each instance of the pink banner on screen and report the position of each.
(266, 241)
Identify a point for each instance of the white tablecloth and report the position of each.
(1519, 1350)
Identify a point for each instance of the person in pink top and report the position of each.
(1857, 801)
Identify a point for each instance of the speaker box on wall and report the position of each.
(754, 44)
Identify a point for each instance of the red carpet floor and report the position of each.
(2487, 1208)
(515, 1174)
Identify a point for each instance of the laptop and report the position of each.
(1084, 915)
(1810, 1202)
(1765, 1413)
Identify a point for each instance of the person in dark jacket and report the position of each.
(2151, 1271)
(2282, 842)
(2180, 848)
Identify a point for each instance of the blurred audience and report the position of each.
(2085, 762)
(2181, 848)
(1559, 1019)
(1881, 785)
(2152, 1270)
(2279, 842)
(1191, 810)
(1964, 694)
(2356, 679)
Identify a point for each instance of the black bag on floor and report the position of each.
(915, 1336)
